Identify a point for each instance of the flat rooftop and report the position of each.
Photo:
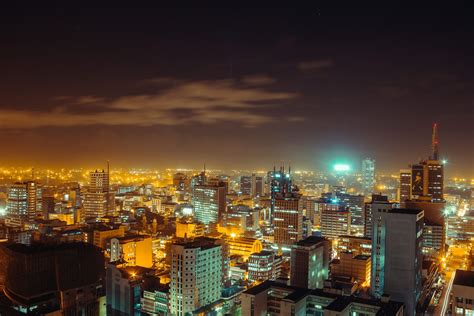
(310, 241)
(464, 278)
(411, 211)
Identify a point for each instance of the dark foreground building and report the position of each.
(41, 279)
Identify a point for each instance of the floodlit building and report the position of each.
(335, 223)
(264, 265)
(287, 220)
(196, 275)
(243, 246)
(209, 202)
(24, 202)
(136, 250)
(98, 202)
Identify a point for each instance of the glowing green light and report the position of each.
(342, 167)
(444, 161)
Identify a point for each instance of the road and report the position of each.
(456, 258)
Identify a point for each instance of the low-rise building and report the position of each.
(136, 250)
(462, 293)
(357, 267)
(273, 298)
(264, 265)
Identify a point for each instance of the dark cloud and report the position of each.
(315, 64)
(204, 102)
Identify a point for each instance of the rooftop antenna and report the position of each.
(434, 142)
(108, 187)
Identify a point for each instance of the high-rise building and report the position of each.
(404, 191)
(257, 185)
(335, 223)
(196, 275)
(310, 262)
(209, 202)
(246, 185)
(280, 186)
(379, 203)
(25, 202)
(397, 255)
(368, 176)
(287, 220)
(97, 200)
(428, 175)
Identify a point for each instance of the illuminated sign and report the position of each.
(341, 167)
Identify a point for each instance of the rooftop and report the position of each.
(410, 211)
(387, 309)
(464, 278)
(310, 241)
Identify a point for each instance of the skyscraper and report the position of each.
(246, 185)
(397, 241)
(368, 176)
(310, 262)
(257, 185)
(97, 198)
(287, 220)
(209, 202)
(428, 175)
(25, 201)
(404, 191)
(379, 203)
(196, 275)
(280, 186)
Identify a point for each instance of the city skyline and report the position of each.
(307, 85)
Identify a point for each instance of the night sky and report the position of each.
(236, 88)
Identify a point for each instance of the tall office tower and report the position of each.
(246, 185)
(24, 203)
(257, 185)
(428, 175)
(397, 255)
(310, 262)
(335, 223)
(196, 275)
(97, 200)
(368, 176)
(379, 203)
(288, 220)
(280, 185)
(209, 202)
(404, 191)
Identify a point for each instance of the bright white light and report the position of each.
(2, 211)
(342, 167)
(444, 161)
